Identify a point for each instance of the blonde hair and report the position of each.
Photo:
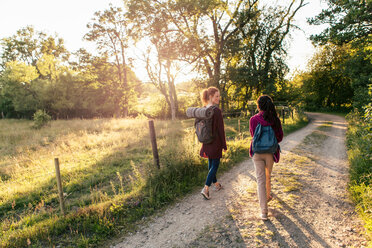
(207, 93)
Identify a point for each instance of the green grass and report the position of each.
(338, 113)
(359, 143)
(333, 111)
(109, 179)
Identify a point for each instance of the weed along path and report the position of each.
(311, 207)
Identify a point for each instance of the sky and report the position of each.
(68, 19)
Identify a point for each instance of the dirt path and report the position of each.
(311, 207)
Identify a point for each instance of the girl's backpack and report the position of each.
(203, 123)
(264, 140)
(204, 131)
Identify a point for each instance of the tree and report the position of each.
(29, 46)
(161, 57)
(111, 32)
(326, 85)
(206, 29)
(27, 60)
(99, 77)
(17, 93)
(255, 56)
(348, 20)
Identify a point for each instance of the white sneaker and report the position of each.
(264, 217)
(205, 193)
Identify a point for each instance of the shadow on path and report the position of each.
(300, 238)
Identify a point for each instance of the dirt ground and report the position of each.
(311, 206)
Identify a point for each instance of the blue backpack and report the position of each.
(264, 140)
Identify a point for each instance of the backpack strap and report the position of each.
(257, 132)
(213, 107)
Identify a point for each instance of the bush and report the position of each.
(41, 118)
(359, 142)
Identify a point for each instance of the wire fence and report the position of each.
(250, 110)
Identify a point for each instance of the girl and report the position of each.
(263, 163)
(213, 151)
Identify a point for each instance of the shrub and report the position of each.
(359, 142)
(41, 118)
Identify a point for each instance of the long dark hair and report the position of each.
(265, 103)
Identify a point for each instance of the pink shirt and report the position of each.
(253, 122)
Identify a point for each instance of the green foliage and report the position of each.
(18, 99)
(349, 20)
(243, 55)
(19, 72)
(85, 94)
(41, 118)
(326, 85)
(359, 69)
(111, 32)
(256, 56)
(337, 78)
(29, 46)
(359, 142)
(340, 73)
(154, 106)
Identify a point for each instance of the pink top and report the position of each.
(253, 122)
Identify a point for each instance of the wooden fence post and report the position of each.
(239, 126)
(153, 143)
(283, 115)
(59, 184)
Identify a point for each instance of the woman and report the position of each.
(263, 163)
(213, 151)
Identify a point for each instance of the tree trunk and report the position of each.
(125, 82)
(172, 104)
(171, 90)
(175, 98)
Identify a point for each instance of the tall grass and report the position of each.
(108, 176)
(359, 142)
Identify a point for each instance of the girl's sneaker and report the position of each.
(218, 186)
(264, 217)
(205, 193)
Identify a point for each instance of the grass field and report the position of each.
(108, 176)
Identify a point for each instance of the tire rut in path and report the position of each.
(295, 219)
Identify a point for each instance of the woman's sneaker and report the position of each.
(264, 217)
(218, 186)
(205, 193)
